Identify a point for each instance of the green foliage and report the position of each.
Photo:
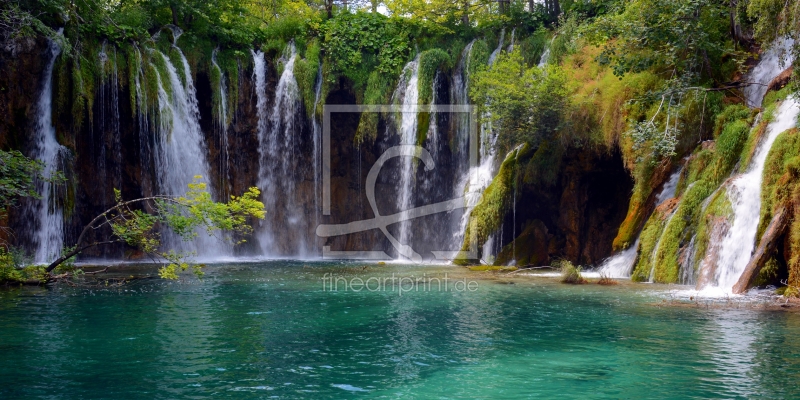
(648, 241)
(527, 104)
(18, 176)
(184, 216)
(679, 230)
(362, 42)
(8, 270)
(534, 46)
(431, 61)
(664, 35)
(773, 19)
(768, 274)
(570, 273)
(306, 71)
(496, 200)
(378, 91)
(719, 207)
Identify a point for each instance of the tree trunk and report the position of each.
(766, 248)
(174, 14)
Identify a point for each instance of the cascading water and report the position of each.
(407, 95)
(180, 147)
(773, 61)
(221, 124)
(278, 143)
(736, 246)
(47, 211)
(499, 48)
(143, 123)
(620, 264)
(109, 124)
(545, 58)
(317, 137)
(485, 172)
(745, 195)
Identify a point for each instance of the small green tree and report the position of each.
(524, 105)
(18, 177)
(139, 223)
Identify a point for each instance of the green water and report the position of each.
(270, 330)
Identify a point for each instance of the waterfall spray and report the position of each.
(180, 147)
(620, 264)
(222, 128)
(407, 95)
(278, 145)
(745, 195)
(47, 212)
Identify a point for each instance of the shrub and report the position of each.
(571, 274)
(606, 281)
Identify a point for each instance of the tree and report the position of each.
(524, 105)
(141, 227)
(18, 177)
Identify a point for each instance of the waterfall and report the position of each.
(407, 95)
(317, 137)
(620, 264)
(545, 58)
(510, 47)
(47, 212)
(143, 123)
(222, 128)
(497, 50)
(181, 148)
(109, 124)
(745, 195)
(278, 144)
(459, 95)
(773, 61)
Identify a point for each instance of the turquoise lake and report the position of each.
(271, 330)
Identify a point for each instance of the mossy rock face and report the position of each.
(496, 200)
(531, 247)
(678, 232)
(648, 240)
(781, 188)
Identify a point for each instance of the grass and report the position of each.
(607, 281)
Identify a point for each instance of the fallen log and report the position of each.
(765, 249)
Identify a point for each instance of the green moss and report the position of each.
(773, 97)
(534, 46)
(648, 240)
(719, 206)
(679, 230)
(306, 71)
(379, 89)
(642, 188)
(215, 77)
(781, 171)
(431, 61)
(756, 135)
(479, 57)
(496, 200)
(768, 274)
